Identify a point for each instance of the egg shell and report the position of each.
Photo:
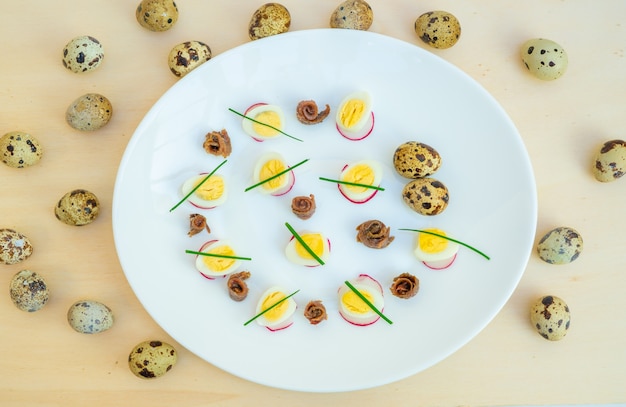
(551, 318)
(416, 160)
(77, 208)
(89, 112)
(610, 161)
(269, 19)
(426, 196)
(20, 149)
(29, 291)
(561, 245)
(187, 56)
(83, 54)
(439, 29)
(353, 15)
(157, 15)
(14, 247)
(545, 59)
(152, 359)
(89, 317)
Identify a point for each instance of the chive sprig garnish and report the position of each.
(271, 307)
(276, 175)
(356, 184)
(302, 242)
(450, 239)
(368, 302)
(263, 124)
(198, 186)
(223, 256)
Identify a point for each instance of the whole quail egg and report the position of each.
(77, 208)
(426, 196)
(561, 245)
(550, 316)
(29, 291)
(157, 15)
(83, 54)
(416, 160)
(14, 247)
(269, 19)
(545, 59)
(152, 359)
(89, 112)
(90, 317)
(610, 161)
(439, 29)
(20, 149)
(187, 56)
(352, 14)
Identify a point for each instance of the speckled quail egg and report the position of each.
(90, 317)
(561, 245)
(77, 208)
(187, 56)
(152, 359)
(545, 59)
(20, 149)
(269, 19)
(29, 291)
(550, 316)
(610, 161)
(89, 112)
(83, 54)
(416, 160)
(426, 196)
(352, 14)
(157, 15)
(439, 29)
(14, 247)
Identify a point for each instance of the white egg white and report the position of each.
(293, 255)
(437, 260)
(209, 272)
(288, 178)
(253, 111)
(198, 201)
(361, 128)
(367, 286)
(366, 194)
(285, 320)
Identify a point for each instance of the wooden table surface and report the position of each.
(562, 123)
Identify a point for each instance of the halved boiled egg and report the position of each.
(213, 192)
(434, 251)
(353, 309)
(298, 254)
(354, 118)
(280, 316)
(267, 167)
(214, 266)
(267, 118)
(365, 172)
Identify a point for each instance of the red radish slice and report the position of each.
(365, 131)
(246, 113)
(441, 264)
(280, 327)
(290, 183)
(365, 284)
(361, 201)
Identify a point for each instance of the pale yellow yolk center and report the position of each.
(211, 189)
(270, 118)
(355, 304)
(218, 264)
(359, 174)
(269, 169)
(432, 244)
(315, 241)
(276, 312)
(352, 112)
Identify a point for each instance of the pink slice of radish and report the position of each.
(260, 140)
(440, 264)
(279, 327)
(362, 133)
(290, 183)
(204, 246)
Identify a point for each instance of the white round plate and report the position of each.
(416, 96)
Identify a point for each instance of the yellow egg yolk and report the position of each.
(355, 304)
(269, 169)
(276, 312)
(270, 118)
(314, 241)
(211, 189)
(218, 264)
(351, 112)
(432, 244)
(359, 174)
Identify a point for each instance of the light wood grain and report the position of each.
(45, 363)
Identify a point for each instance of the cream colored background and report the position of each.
(43, 362)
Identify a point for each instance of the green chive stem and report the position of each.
(352, 183)
(306, 246)
(369, 304)
(263, 124)
(271, 307)
(223, 256)
(197, 186)
(275, 175)
(450, 239)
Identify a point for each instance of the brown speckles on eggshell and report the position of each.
(187, 56)
(414, 159)
(550, 316)
(353, 15)
(426, 196)
(152, 359)
(610, 161)
(19, 149)
(77, 208)
(439, 29)
(14, 247)
(157, 15)
(269, 19)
